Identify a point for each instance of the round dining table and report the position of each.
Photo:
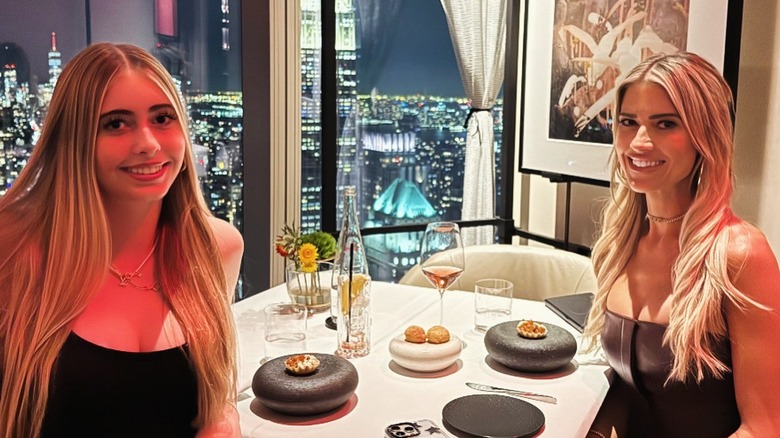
(388, 394)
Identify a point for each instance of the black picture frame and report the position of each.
(714, 30)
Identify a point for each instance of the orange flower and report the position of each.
(307, 255)
(280, 250)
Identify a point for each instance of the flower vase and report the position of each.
(310, 287)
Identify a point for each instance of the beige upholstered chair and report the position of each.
(536, 273)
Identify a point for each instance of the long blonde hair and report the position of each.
(703, 269)
(56, 248)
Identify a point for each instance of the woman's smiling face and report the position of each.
(653, 147)
(140, 143)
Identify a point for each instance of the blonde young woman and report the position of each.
(117, 282)
(689, 294)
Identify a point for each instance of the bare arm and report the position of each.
(753, 333)
(231, 246)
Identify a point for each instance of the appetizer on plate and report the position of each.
(415, 334)
(438, 335)
(301, 364)
(531, 330)
(435, 335)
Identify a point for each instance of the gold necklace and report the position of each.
(126, 279)
(664, 220)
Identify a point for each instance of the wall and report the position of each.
(757, 157)
(758, 109)
(129, 21)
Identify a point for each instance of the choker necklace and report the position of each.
(126, 279)
(663, 220)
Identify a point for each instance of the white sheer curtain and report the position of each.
(478, 30)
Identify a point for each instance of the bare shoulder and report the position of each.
(228, 237)
(231, 245)
(756, 270)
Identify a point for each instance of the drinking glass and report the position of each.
(441, 257)
(492, 303)
(285, 329)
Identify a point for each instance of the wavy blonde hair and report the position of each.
(56, 248)
(703, 269)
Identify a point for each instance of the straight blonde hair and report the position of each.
(701, 276)
(56, 248)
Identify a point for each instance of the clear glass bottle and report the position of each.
(352, 285)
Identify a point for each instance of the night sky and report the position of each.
(419, 57)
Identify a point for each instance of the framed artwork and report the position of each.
(166, 18)
(575, 54)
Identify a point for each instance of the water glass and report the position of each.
(353, 320)
(492, 303)
(285, 329)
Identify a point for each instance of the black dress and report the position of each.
(706, 409)
(100, 392)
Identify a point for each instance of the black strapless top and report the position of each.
(636, 352)
(100, 392)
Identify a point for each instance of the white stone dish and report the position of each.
(425, 357)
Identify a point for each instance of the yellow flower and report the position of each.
(307, 255)
(309, 267)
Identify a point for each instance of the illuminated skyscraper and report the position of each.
(225, 7)
(348, 160)
(311, 111)
(350, 154)
(55, 61)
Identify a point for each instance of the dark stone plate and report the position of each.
(486, 415)
(508, 348)
(327, 388)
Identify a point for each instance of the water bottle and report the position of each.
(352, 282)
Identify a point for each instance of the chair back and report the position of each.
(535, 272)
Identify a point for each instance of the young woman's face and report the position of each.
(140, 143)
(652, 145)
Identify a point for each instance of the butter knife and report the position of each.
(526, 394)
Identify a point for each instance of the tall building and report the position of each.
(55, 61)
(311, 111)
(350, 155)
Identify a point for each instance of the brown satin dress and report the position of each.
(635, 351)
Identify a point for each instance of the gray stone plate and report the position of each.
(507, 347)
(329, 387)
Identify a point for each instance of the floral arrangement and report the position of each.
(305, 250)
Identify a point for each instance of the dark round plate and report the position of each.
(508, 348)
(493, 416)
(327, 388)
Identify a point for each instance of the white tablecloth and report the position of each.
(388, 394)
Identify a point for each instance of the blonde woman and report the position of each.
(689, 294)
(117, 282)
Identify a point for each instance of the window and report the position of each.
(400, 108)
